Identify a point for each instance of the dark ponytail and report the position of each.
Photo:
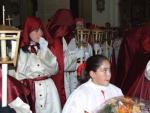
(92, 64)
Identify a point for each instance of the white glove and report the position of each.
(87, 55)
(80, 53)
(147, 71)
(43, 43)
(96, 47)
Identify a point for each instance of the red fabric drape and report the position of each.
(133, 57)
(59, 77)
(140, 88)
(130, 46)
(15, 89)
(29, 83)
(113, 67)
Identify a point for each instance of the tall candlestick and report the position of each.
(81, 59)
(81, 36)
(3, 15)
(96, 37)
(4, 84)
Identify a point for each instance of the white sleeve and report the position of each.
(73, 105)
(72, 44)
(30, 65)
(70, 61)
(49, 62)
(22, 65)
(147, 71)
(19, 106)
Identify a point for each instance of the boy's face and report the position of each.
(36, 34)
(103, 74)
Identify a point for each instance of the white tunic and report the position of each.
(88, 97)
(32, 66)
(70, 64)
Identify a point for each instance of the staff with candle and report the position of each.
(4, 71)
(81, 47)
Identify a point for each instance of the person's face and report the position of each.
(102, 75)
(36, 34)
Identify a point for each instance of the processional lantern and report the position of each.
(82, 38)
(9, 40)
(97, 38)
(97, 35)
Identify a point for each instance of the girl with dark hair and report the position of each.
(96, 90)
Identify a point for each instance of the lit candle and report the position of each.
(81, 59)
(81, 36)
(3, 47)
(106, 49)
(3, 15)
(4, 84)
(96, 36)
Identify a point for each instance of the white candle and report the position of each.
(106, 49)
(81, 37)
(13, 49)
(4, 84)
(3, 15)
(3, 47)
(96, 36)
(81, 59)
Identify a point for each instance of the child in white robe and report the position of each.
(36, 64)
(89, 96)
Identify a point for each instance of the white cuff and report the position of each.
(19, 106)
(147, 71)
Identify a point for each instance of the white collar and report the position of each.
(96, 86)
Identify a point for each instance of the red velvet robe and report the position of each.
(61, 24)
(133, 57)
(15, 89)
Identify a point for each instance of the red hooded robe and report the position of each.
(61, 24)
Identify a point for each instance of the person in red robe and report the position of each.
(133, 58)
(140, 86)
(129, 47)
(59, 26)
(36, 64)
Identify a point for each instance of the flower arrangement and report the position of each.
(124, 105)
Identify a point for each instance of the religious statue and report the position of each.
(100, 4)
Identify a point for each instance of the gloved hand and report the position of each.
(87, 55)
(97, 48)
(43, 43)
(147, 71)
